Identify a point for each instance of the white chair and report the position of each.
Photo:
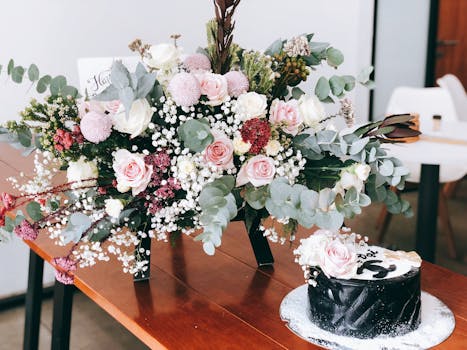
(456, 90)
(426, 102)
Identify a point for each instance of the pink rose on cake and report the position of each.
(131, 171)
(215, 87)
(220, 152)
(287, 115)
(259, 171)
(339, 260)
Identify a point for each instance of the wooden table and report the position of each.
(193, 301)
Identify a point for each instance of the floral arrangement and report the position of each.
(345, 255)
(187, 143)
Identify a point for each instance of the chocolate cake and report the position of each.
(379, 293)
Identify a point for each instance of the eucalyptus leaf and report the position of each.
(322, 88)
(337, 85)
(34, 210)
(43, 83)
(274, 48)
(334, 57)
(17, 74)
(33, 72)
(57, 84)
(11, 65)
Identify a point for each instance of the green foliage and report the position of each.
(307, 207)
(34, 210)
(218, 208)
(57, 86)
(195, 134)
(78, 224)
(385, 171)
(256, 196)
(127, 87)
(257, 68)
(334, 57)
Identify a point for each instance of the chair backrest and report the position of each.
(425, 102)
(456, 90)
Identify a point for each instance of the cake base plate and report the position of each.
(437, 323)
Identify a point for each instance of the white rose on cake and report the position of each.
(137, 119)
(251, 105)
(163, 56)
(82, 170)
(311, 110)
(113, 207)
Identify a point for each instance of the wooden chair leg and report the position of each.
(383, 223)
(450, 188)
(443, 215)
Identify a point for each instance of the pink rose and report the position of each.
(215, 87)
(131, 171)
(220, 152)
(259, 170)
(286, 114)
(339, 260)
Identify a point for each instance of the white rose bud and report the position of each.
(185, 166)
(81, 170)
(240, 146)
(163, 56)
(273, 147)
(122, 188)
(137, 120)
(113, 207)
(362, 171)
(349, 180)
(311, 110)
(251, 105)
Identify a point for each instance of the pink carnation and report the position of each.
(185, 89)
(237, 83)
(26, 231)
(197, 61)
(66, 265)
(96, 127)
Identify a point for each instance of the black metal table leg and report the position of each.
(61, 324)
(427, 215)
(260, 244)
(33, 302)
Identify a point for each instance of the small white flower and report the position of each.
(273, 147)
(240, 146)
(113, 207)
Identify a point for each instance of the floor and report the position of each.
(93, 329)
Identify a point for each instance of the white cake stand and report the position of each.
(437, 323)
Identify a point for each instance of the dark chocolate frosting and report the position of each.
(366, 308)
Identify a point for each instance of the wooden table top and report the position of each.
(194, 301)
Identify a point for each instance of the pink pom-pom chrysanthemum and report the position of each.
(237, 83)
(185, 89)
(96, 127)
(197, 61)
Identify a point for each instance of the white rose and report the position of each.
(251, 105)
(311, 110)
(240, 146)
(113, 207)
(123, 188)
(309, 250)
(273, 147)
(349, 180)
(185, 166)
(137, 120)
(81, 170)
(362, 171)
(163, 56)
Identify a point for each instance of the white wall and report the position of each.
(54, 33)
(401, 46)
